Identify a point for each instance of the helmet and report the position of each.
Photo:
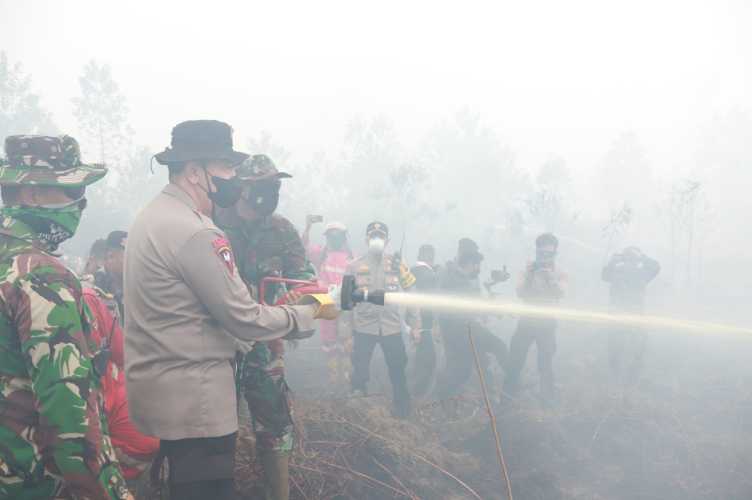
(335, 226)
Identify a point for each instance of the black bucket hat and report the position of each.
(201, 140)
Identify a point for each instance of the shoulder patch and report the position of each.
(224, 252)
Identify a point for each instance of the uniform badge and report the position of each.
(224, 252)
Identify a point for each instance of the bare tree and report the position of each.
(618, 222)
(682, 210)
(548, 201)
(20, 109)
(102, 113)
(624, 172)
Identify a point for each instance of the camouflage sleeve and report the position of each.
(56, 350)
(294, 262)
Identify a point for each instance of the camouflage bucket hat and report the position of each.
(259, 168)
(46, 161)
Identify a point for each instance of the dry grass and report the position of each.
(353, 448)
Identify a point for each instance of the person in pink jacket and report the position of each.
(331, 262)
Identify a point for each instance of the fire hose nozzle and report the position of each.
(351, 294)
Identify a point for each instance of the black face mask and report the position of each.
(227, 193)
(263, 196)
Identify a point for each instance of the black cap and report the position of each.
(377, 226)
(116, 240)
(466, 245)
(468, 251)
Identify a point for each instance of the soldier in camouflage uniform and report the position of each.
(54, 441)
(266, 244)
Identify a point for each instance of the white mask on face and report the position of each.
(376, 246)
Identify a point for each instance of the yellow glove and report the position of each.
(327, 308)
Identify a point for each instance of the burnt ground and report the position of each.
(685, 431)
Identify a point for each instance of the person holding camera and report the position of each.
(629, 274)
(331, 262)
(542, 283)
(460, 278)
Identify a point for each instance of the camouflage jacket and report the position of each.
(268, 247)
(52, 426)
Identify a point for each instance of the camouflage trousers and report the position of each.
(45, 485)
(23, 475)
(14, 487)
(261, 380)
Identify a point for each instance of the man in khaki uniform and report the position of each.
(373, 324)
(187, 311)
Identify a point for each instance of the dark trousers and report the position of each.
(201, 468)
(460, 359)
(425, 363)
(395, 356)
(542, 332)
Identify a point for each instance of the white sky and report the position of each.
(551, 77)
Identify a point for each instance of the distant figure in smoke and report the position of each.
(109, 277)
(96, 257)
(382, 325)
(425, 272)
(331, 263)
(541, 284)
(460, 278)
(629, 274)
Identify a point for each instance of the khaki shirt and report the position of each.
(186, 309)
(380, 275)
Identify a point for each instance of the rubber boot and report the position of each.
(276, 475)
